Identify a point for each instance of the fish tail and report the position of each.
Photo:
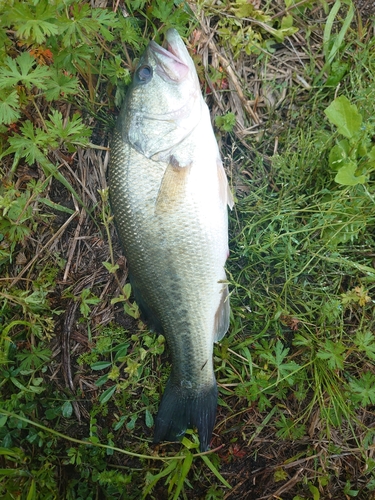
(180, 410)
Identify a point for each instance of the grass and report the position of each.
(81, 375)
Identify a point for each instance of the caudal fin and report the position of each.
(180, 409)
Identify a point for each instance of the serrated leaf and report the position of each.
(162, 10)
(106, 19)
(364, 389)
(60, 85)
(9, 107)
(31, 144)
(70, 131)
(34, 23)
(37, 30)
(346, 175)
(78, 25)
(333, 353)
(337, 73)
(23, 69)
(345, 116)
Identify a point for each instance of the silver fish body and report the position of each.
(169, 195)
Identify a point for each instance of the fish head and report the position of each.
(164, 102)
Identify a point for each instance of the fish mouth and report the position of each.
(171, 63)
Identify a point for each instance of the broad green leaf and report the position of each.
(132, 310)
(131, 424)
(149, 419)
(107, 394)
(338, 154)
(100, 365)
(67, 409)
(117, 425)
(127, 290)
(314, 491)
(346, 175)
(102, 380)
(345, 116)
(121, 352)
(112, 268)
(371, 154)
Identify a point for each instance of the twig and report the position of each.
(58, 233)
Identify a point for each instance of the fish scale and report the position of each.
(169, 196)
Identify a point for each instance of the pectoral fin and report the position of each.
(172, 187)
(225, 193)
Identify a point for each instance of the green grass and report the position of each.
(296, 370)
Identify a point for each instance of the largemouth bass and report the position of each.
(169, 195)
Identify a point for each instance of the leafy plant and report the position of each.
(353, 157)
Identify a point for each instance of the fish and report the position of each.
(169, 195)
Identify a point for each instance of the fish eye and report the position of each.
(144, 73)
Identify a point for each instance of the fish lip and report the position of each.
(171, 63)
(169, 52)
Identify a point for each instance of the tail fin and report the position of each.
(181, 409)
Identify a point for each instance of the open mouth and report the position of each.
(169, 51)
(170, 66)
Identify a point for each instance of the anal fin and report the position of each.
(222, 315)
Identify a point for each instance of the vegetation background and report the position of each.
(291, 87)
